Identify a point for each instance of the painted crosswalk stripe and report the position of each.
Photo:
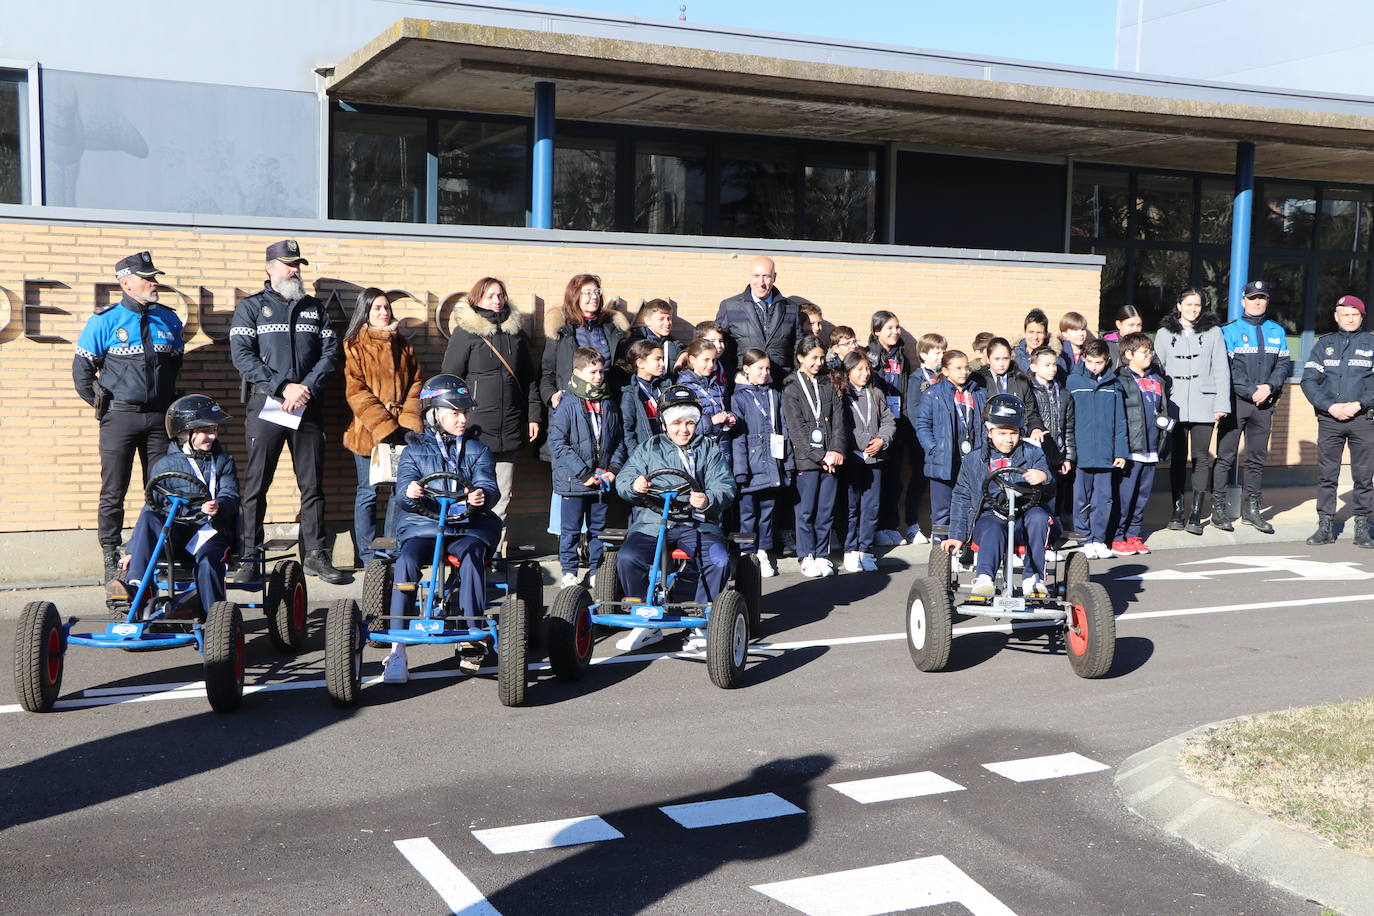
(1049, 767)
(894, 888)
(731, 810)
(572, 831)
(461, 895)
(889, 788)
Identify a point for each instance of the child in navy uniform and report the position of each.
(1147, 420)
(587, 444)
(930, 350)
(643, 365)
(869, 428)
(1053, 404)
(192, 423)
(700, 375)
(1096, 421)
(947, 428)
(809, 406)
(762, 459)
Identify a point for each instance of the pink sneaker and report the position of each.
(1138, 545)
(1123, 548)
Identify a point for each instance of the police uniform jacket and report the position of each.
(1340, 369)
(274, 343)
(111, 344)
(1258, 349)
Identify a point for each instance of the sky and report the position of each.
(1077, 32)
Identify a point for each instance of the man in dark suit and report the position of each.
(761, 317)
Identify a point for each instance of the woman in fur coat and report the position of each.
(583, 321)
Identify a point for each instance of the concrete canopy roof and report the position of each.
(481, 68)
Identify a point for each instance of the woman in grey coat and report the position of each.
(1190, 348)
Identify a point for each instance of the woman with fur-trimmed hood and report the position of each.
(583, 321)
(490, 351)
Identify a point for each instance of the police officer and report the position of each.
(1339, 381)
(126, 366)
(1257, 348)
(284, 348)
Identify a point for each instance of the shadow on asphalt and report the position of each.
(812, 600)
(637, 874)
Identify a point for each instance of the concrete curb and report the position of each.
(1154, 787)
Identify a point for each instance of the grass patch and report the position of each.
(1310, 768)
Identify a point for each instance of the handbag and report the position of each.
(386, 459)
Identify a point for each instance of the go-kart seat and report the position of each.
(453, 561)
(680, 554)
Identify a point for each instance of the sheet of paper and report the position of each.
(202, 535)
(272, 412)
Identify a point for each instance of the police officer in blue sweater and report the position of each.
(126, 365)
(1339, 381)
(1257, 347)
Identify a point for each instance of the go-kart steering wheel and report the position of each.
(684, 485)
(1029, 494)
(197, 494)
(459, 498)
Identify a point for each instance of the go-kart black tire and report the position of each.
(343, 652)
(376, 600)
(1090, 631)
(287, 606)
(939, 565)
(727, 639)
(40, 652)
(929, 624)
(749, 583)
(529, 585)
(569, 635)
(225, 656)
(607, 587)
(1076, 570)
(512, 672)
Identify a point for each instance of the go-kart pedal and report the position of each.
(471, 658)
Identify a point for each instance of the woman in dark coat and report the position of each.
(490, 351)
(583, 321)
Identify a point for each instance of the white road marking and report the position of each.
(889, 788)
(461, 895)
(894, 888)
(731, 810)
(1052, 766)
(1298, 567)
(571, 831)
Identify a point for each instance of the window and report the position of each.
(1214, 227)
(1344, 221)
(1288, 295)
(377, 167)
(1101, 203)
(670, 188)
(1338, 277)
(840, 195)
(1164, 208)
(584, 178)
(1287, 213)
(758, 189)
(484, 172)
(13, 158)
(1160, 275)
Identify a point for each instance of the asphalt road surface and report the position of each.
(134, 797)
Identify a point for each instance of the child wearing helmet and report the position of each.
(471, 530)
(192, 423)
(1004, 417)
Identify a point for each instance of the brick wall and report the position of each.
(48, 435)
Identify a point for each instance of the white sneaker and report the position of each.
(887, 537)
(914, 535)
(1017, 561)
(766, 568)
(593, 580)
(983, 587)
(569, 579)
(809, 568)
(868, 563)
(638, 638)
(852, 561)
(1031, 587)
(1096, 550)
(825, 566)
(1052, 555)
(394, 670)
(695, 641)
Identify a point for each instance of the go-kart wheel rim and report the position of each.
(916, 627)
(739, 640)
(582, 635)
(1076, 633)
(53, 669)
(298, 607)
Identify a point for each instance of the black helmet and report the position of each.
(677, 396)
(194, 411)
(445, 391)
(1004, 410)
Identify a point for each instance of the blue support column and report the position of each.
(1241, 209)
(541, 185)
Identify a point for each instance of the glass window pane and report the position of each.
(670, 188)
(584, 183)
(1216, 285)
(1288, 284)
(841, 188)
(1339, 277)
(1159, 277)
(377, 167)
(1113, 283)
(1345, 218)
(1164, 208)
(483, 172)
(1217, 198)
(758, 189)
(1286, 215)
(11, 139)
(1100, 204)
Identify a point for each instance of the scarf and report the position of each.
(497, 317)
(585, 389)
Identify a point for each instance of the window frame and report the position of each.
(31, 190)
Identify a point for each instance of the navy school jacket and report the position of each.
(638, 399)
(973, 478)
(425, 455)
(220, 469)
(937, 426)
(760, 412)
(576, 450)
(1095, 419)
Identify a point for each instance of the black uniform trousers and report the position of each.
(123, 432)
(1254, 422)
(265, 441)
(1332, 437)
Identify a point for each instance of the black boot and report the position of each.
(1364, 537)
(110, 557)
(1221, 518)
(1250, 515)
(1325, 535)
(1176, 520)
(1194, 525)
(249, 569)
(317, 564)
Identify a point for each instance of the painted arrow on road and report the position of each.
(1299, 569)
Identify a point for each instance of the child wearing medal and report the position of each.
(762, 461)
(869, 428)
(644, 364)
(808, 410)
(947, 426)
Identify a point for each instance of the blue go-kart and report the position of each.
(729, 619)
(516, 584)
(163, 614)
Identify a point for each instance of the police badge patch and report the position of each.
(267, 311)
(122, 334)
